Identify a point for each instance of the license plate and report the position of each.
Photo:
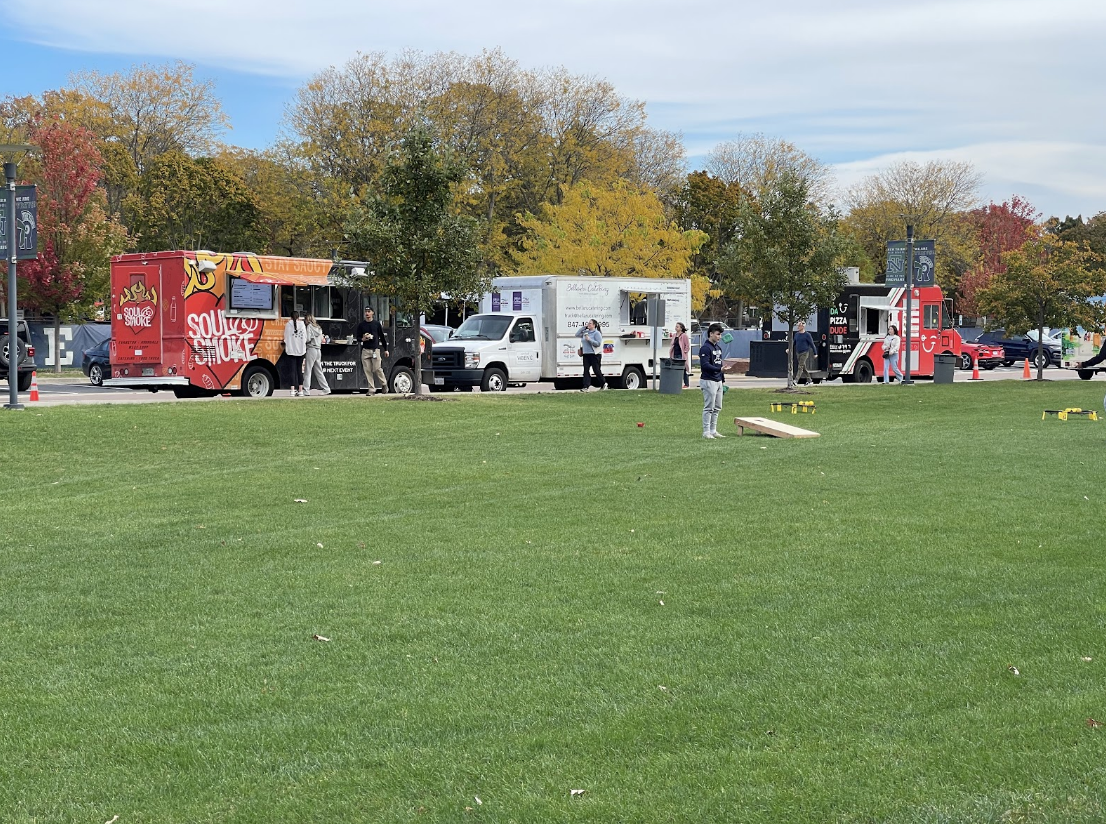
(148, 373)
(439, 381)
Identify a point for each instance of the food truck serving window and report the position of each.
(244, 298)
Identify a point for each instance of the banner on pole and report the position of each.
(26, 223)
(924, 258)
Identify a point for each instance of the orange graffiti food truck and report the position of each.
(201, 323)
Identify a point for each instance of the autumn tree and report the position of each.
(756, 162)
(193, 203)
(76, 237)
(525, 137)
(417, 247)
(785, 255)
(1046, 282)
(710, 205)
(1000, 228)
(934, 197)
(1091, 232)
(292, 214)
(611, 231)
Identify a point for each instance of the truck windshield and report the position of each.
(483, 327)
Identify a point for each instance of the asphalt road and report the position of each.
(74, 389)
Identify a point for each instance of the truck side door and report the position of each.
(523, 351)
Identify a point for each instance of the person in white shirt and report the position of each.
(295, 347)
(891, 345)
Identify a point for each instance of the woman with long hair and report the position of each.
(891, 345)
(295, 347)
(591, 348)
(681, 350)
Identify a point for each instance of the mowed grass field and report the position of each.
(525, 596)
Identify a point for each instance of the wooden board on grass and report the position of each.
(773, 428)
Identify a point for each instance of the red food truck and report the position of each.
(203, 323)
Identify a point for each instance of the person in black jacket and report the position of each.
(373, 341)
(712, 381)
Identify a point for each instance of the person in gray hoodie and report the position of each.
(592, 347)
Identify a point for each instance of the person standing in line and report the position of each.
(804, 348)
(681, 350)
(891, 345)
(373, 342)
(313, 367)
(592, 346)
(711, 380)
(295, 347)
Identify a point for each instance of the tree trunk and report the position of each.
(57, 343)
(418, 349)
(790, 354)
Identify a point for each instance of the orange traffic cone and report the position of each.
(975, 370)
(34, 387)
(1025, 372)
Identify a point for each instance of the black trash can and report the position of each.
(672, 376)
(944, 367)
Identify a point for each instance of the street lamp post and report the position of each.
(908, 321)
(11, 170)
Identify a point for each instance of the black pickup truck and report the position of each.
(24, 355)
(1019, 349)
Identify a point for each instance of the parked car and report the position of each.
(987, 355)
(438, 334)
(25, 357)
(1018, 349)
(95, 363)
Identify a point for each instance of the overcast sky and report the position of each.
(1012, 86)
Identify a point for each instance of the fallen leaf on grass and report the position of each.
(662, 603)
(477, 799)
(1085, 659)
(1013, 669)
(1094, 725)
(320, 637)
(299, 500)
(662, 687)
(574, 793)
(376, 563)
(112, 820)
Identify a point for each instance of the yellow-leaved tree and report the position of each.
(614, 230)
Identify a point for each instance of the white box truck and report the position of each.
(526, 331)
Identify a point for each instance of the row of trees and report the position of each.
(548, 172)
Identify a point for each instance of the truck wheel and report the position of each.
(566, 383)
(494, 380)
(257, 382)
(863, 372)
(633, 378)
(1085, 374)
(966, 361)
(403, 380)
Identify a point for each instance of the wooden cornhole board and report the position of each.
(773, 428)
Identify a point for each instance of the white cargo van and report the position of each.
(526, 331)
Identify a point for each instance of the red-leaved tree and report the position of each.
(76, 238)
(1001, 228)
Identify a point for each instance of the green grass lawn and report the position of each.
(529, 595)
